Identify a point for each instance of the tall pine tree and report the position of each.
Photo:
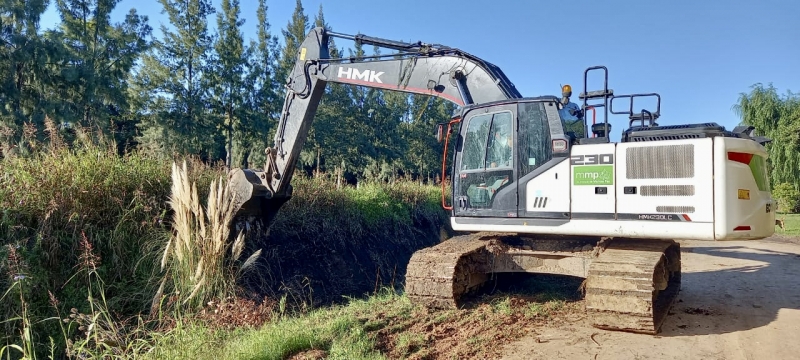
(171, 88)
(228, 75)
(294, 34)
(324, 126)
(262, 87)
(424, 157)
(23, 74)
(98, 57)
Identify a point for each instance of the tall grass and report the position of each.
(200, 258)
(55, 200)
(155, 246)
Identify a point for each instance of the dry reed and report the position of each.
(200, 258)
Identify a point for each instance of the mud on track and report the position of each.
(738, 300)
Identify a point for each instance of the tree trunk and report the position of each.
(229, 145)
(318, 153)
(338, 178)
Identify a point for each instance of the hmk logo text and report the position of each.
(366, 75)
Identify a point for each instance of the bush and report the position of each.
(788, 198)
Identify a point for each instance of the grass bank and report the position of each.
(70, 218)
(384, 326)
(326, 244)
(84, 233)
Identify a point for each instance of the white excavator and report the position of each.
(536, 191)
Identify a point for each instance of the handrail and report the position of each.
(594, 117)
(444, 160)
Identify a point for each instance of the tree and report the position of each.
(98, 56)
(228, 79)
(294, 34)
(171, 88)
(325, 137)
(424, 156)
(24, 55)
(263, 101)
(777, 117)
(788, 197)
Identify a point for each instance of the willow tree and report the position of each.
(777, 117)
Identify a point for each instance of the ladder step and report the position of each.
(596, 94)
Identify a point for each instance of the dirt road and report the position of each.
(738, 300)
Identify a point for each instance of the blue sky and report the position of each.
(699, 55)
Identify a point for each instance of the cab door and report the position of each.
(543, 169)
(484, 179)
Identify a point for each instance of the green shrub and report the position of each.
(788, 198)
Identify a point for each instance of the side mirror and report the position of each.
(440, 132)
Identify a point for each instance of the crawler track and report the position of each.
(440, 276)
(630, 285)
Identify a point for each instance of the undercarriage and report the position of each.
(630, 284)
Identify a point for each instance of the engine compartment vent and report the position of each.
(675, 209)
(667, 190)
(660, 162)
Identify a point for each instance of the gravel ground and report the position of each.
(738, 300)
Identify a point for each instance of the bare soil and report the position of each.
(738, 300)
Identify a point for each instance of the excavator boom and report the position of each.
(419, 68)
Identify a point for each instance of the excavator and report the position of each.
(535, 192)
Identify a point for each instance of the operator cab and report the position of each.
(500, 145)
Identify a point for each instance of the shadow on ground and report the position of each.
(534, 287)
(750, 289)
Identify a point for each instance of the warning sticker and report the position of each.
(744, 194)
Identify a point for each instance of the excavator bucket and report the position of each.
(254, 199)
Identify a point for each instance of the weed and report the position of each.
(199, 258)
(17, 272)
(503, 305)
(408, 343)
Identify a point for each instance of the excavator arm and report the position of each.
(418, 68)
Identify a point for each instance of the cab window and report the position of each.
(534, 137)
(488, 142)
